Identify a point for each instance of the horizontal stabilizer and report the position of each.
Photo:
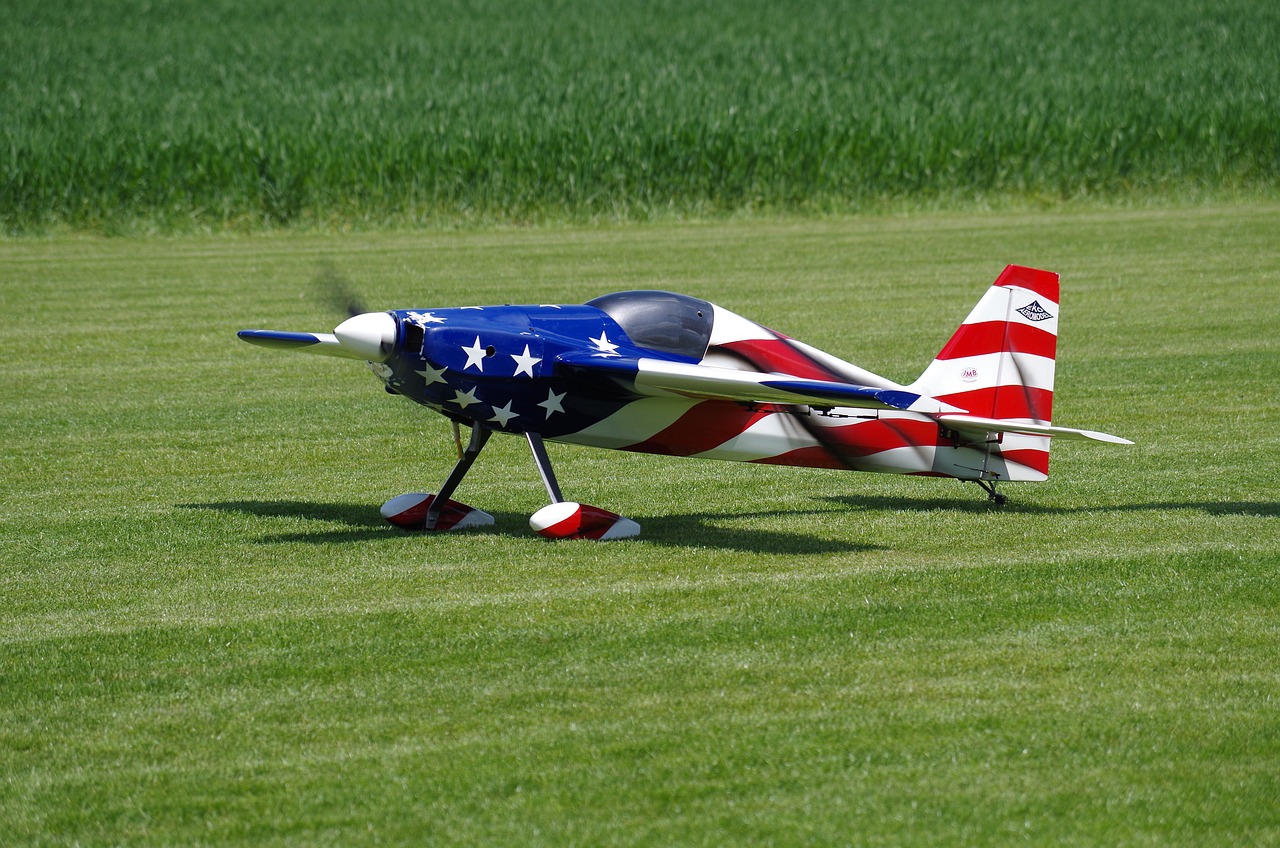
(659, 378)
(975, 424)
(325, 344)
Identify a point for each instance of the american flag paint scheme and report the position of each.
(664, 373)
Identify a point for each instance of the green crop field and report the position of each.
(123, 115)
(208, 636)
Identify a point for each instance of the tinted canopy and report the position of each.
(659, 320)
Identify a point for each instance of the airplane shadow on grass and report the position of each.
(686, 530)
(699, 529)
(903, 504)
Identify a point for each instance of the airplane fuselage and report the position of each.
(510, 369)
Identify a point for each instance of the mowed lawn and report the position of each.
(208, 635)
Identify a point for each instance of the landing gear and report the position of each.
(419, 511)
(989, 486)
(568, 520)
(479, 438)
(543, 462)
(561, 520)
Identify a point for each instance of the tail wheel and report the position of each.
(989, 486)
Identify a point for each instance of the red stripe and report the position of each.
(998, 336)
(778, 355)
(1037, 460)
(871, 437)
(842, 447)
(1005, 402)
(707, 425)
(848, 446)
(1043, 283)
(415, 516)
(586, 522)
(815, 456)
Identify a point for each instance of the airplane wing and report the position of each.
(980, 426)
(663, 378)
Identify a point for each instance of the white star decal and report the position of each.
(603, 344)
(465, 399)
(475, 355)
(503, 414)
(431, 375)
(422, 319)
(525, 362)
(552, 403)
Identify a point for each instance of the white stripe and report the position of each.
(906, 460)
(1001, 303)
(948, 376)
(771, 436)
(846, 370)
(636, 422)
(731, 327)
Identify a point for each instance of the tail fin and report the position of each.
(1000, 365)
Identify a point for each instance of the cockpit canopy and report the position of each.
(660, 320)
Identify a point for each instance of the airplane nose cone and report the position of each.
(371, 335)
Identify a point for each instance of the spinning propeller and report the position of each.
(367, 336)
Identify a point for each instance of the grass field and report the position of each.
(209, 637)
(123, 115)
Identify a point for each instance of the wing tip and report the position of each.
(1106, 437)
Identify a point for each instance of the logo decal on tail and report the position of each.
(1034, 312)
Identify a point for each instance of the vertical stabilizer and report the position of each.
(1000, 363)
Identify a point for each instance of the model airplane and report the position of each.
(670, 374)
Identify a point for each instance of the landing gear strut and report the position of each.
(561, 520)
(543, 462)
(420, 511)
(479, 437)
(989, 486)
(569, 520)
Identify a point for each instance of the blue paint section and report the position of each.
(892, 398)
(836, 392)
(579, 361)
(497, 365)
(898, 399)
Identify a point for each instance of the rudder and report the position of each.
(1000, 362)
(1000, 365)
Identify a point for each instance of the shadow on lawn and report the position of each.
(874, 502)
(693, 529)
(699, 529)
(364, 521)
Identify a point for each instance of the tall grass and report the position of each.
(210, 112)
